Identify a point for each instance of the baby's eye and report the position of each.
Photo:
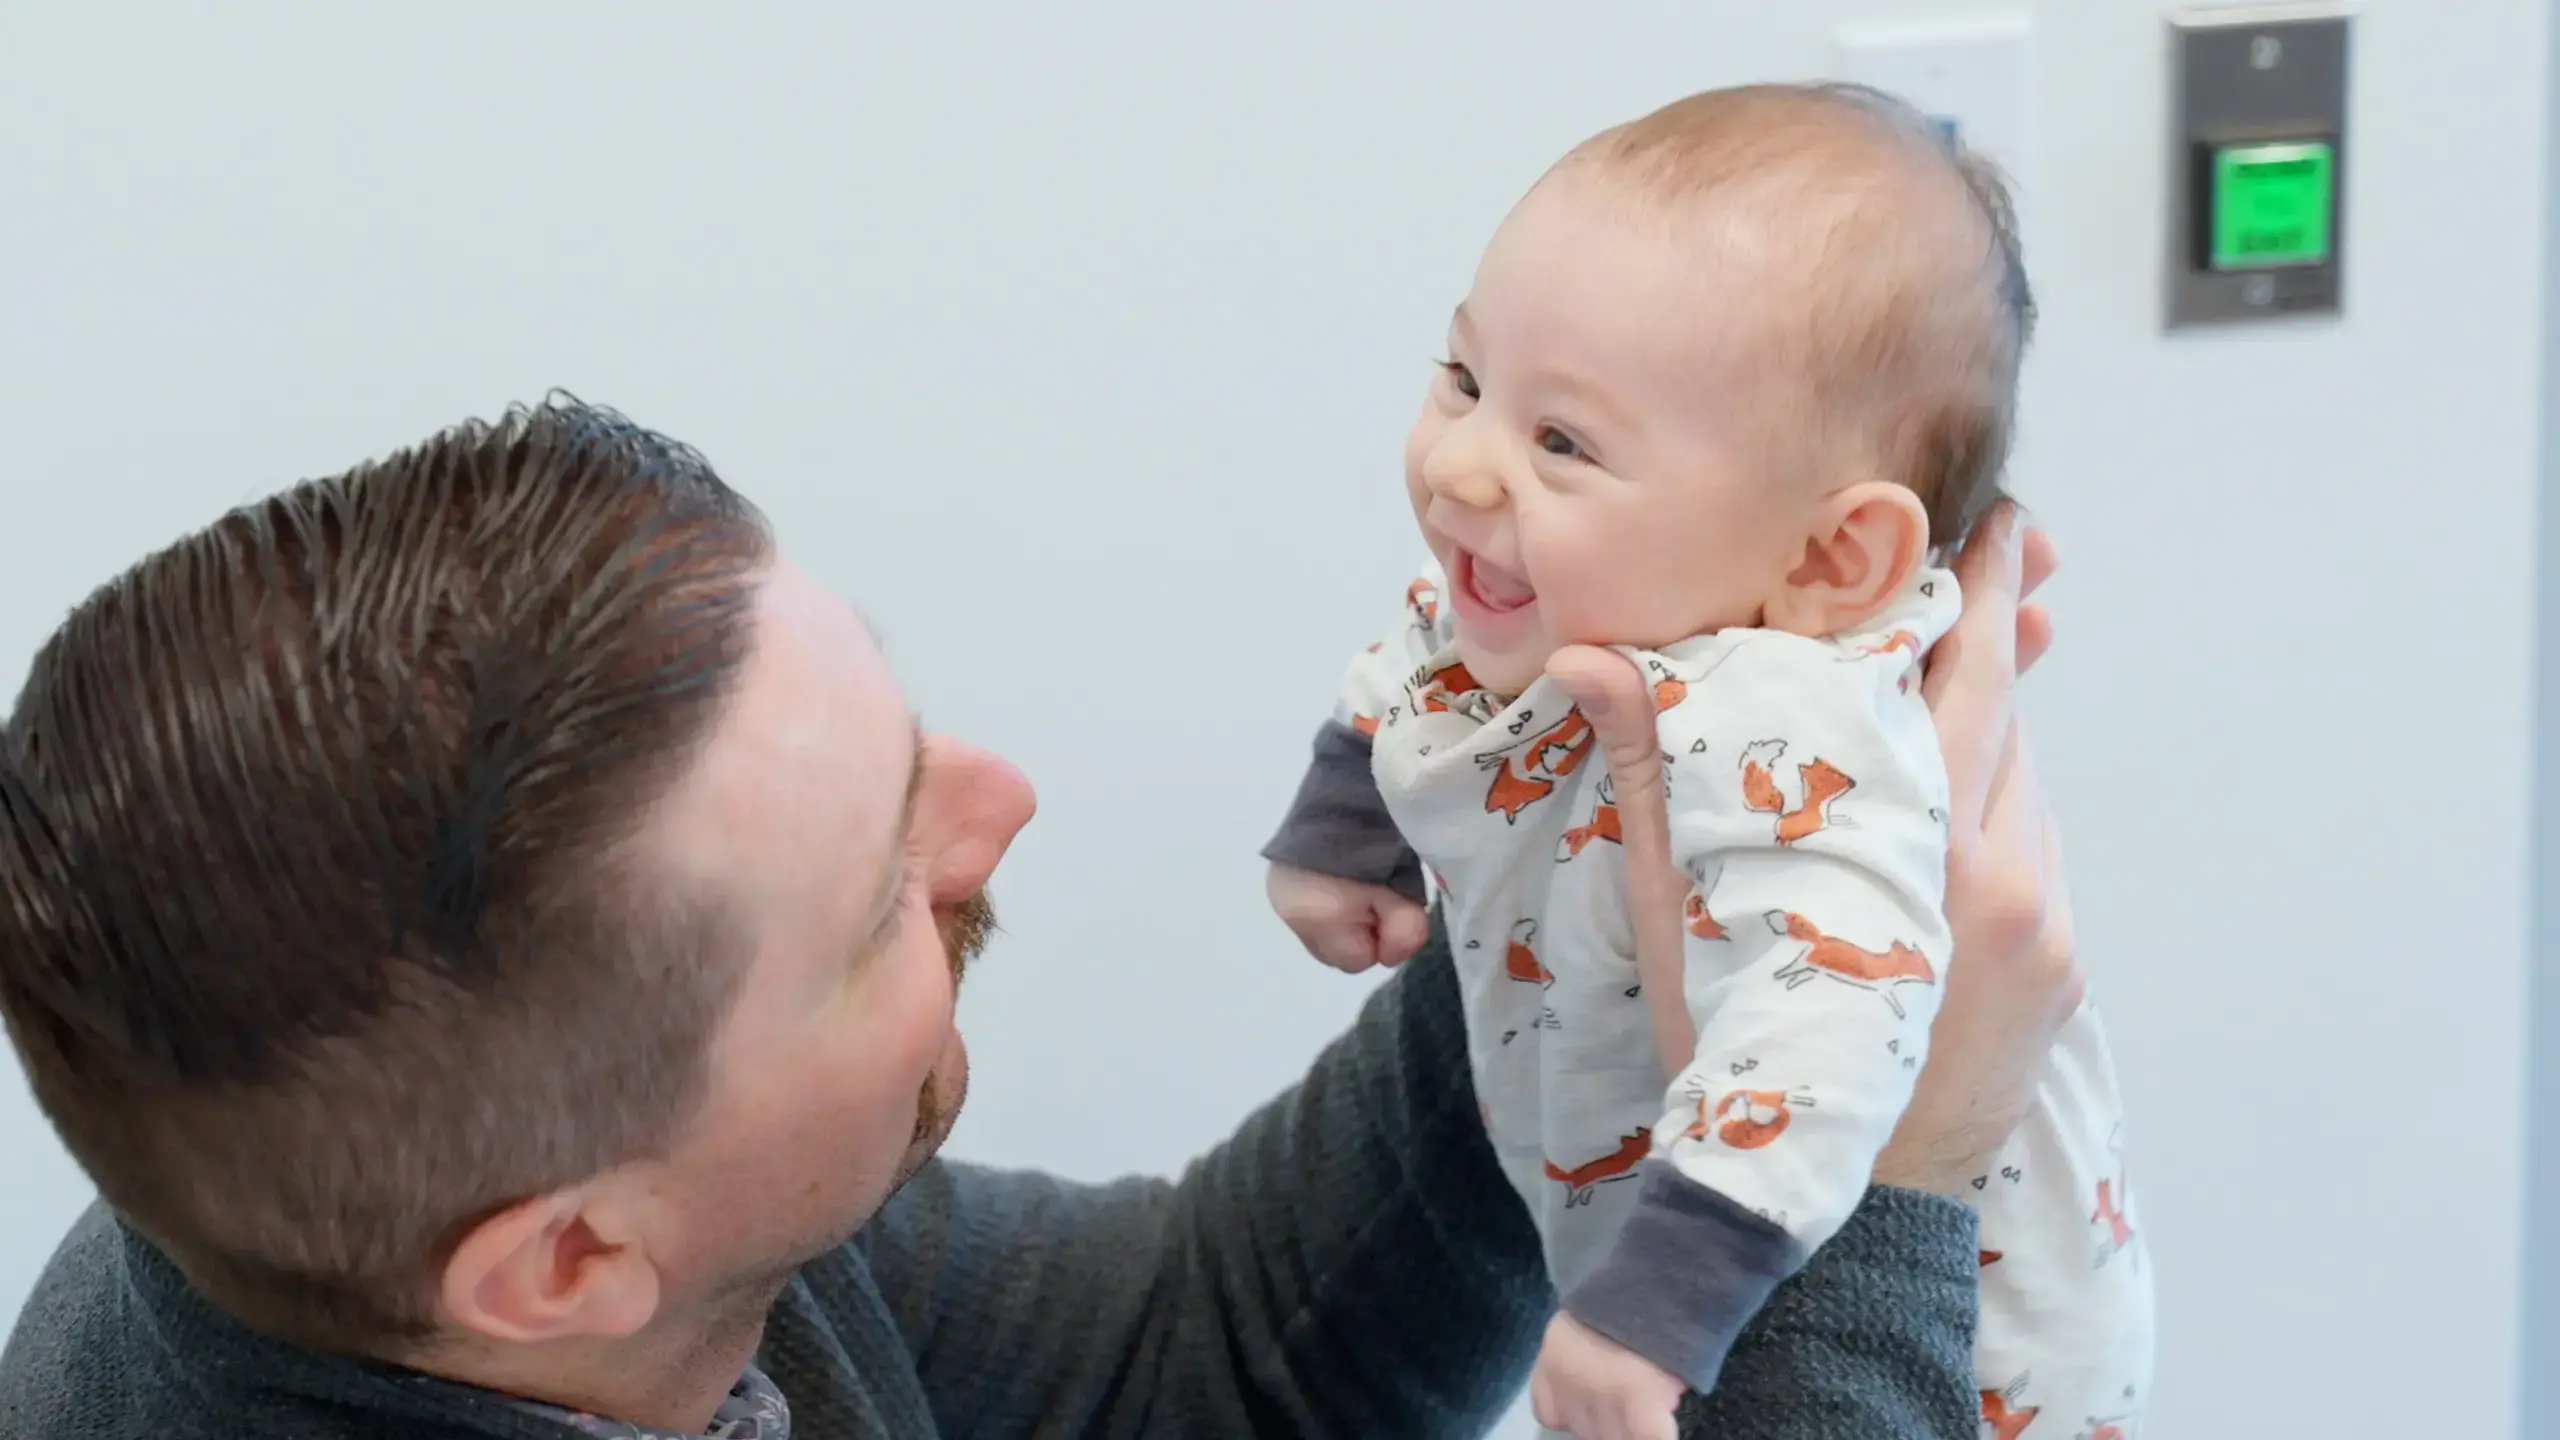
(1463, 378)
(1556, 442)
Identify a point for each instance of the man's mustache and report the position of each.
(966, 930)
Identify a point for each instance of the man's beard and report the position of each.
(743, 1301)
(964, 935)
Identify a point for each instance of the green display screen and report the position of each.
(2271, 204)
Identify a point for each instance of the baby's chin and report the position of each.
(1506, 671)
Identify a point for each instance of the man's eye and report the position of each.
(1556, 442)
(1463, 378)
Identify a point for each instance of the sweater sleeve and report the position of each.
(1874, 1337)
(1351, 1263)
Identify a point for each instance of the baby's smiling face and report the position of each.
(1611, 453)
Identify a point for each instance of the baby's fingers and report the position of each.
(1348, 943)
(1402, 928)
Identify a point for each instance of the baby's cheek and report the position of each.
(1597, 593)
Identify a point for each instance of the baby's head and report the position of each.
(1744, 361)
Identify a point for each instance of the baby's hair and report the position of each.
(1920, 312)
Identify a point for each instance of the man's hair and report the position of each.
(1920, 312)
(324, 933)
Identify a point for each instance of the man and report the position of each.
(489, 926)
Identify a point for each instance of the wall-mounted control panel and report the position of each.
(2258, 162)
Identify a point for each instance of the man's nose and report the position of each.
(1464, 465)
(983, 803)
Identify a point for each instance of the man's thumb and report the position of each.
(1609, 691)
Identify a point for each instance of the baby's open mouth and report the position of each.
(1491, 586)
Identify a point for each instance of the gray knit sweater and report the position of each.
(1351, 1264)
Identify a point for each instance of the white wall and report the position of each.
(1029, 323)
(2539, 1362)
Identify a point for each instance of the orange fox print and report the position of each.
(1529, 772)
(1423, 599)
(1619, 1164)
(1698, 922)
(1365, 724)
(1440, 687)
(1668, 691)
(2119, 1428)
(1603, 826)
(2002, 1417)
(1821, 781)
(1520, 956)
(1827, 958)
(1899, 642)
(2114, 1231)
(1985, 1259)
(1749, 1119)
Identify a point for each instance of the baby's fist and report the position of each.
(1594, 1388)
(1348, 924)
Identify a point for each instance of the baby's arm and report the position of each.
(1807, 799)
(1342, 877)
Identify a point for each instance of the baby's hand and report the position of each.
(1348, 924)
(1592, 1387)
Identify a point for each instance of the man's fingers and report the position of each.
(1610, 691)
(2035, 635)
(2037, 559)
(2005, 874)
(1971, 670)
(2013, 809)
(1995, 558)
(2057, 889)
(1612, 695)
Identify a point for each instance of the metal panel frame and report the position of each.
(2242, 74)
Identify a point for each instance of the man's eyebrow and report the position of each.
(885, 908)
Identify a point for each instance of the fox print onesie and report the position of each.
(1808, 809)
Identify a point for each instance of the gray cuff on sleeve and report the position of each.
(1338, 824)
(1687, 1271)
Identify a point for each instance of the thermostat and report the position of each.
(2258, 153)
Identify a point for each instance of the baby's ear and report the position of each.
(1865, 545)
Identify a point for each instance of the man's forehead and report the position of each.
(813, 751)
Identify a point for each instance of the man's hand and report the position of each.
(1348, 924)
(1594, 1388)
(2014, 979)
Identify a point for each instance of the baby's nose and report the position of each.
(1465, 466)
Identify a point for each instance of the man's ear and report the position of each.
(556, 1267)
(1866, 543)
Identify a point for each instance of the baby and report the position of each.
(1731, 381)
